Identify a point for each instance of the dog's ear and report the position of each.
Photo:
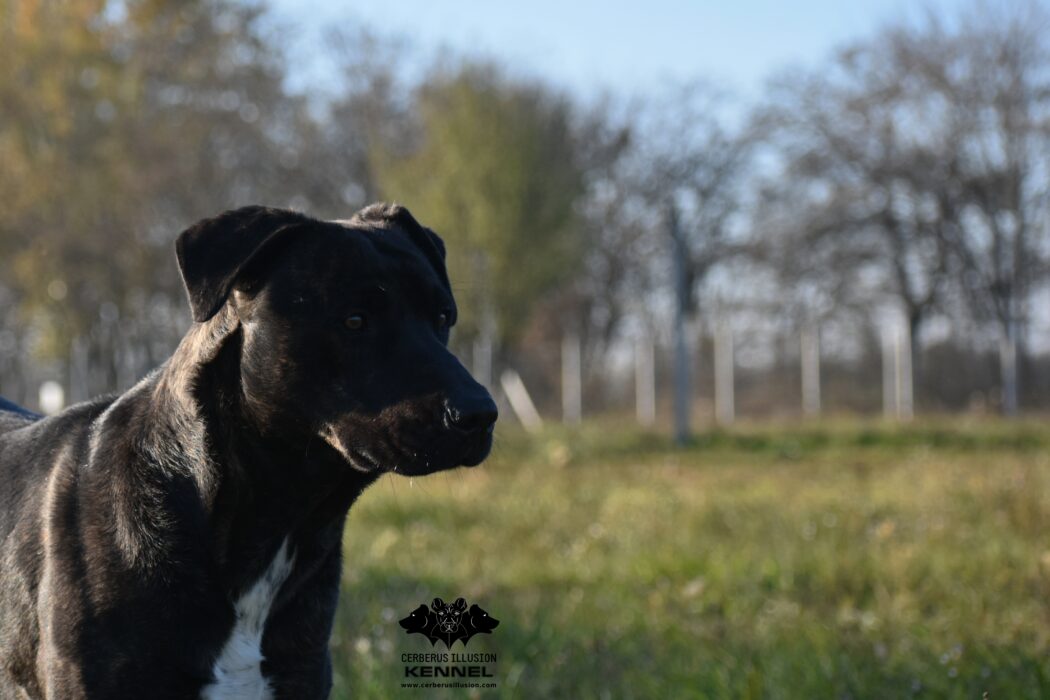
(214, 252)
(460, 605)
(438, 604)
(424, 238)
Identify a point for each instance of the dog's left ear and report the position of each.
(214, 252)
(427, 241)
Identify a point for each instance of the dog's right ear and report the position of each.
(214, 252)
(438, 605)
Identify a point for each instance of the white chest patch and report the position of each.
(238, 668)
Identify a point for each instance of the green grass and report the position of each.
(803, 561)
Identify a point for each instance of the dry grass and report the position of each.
(795, 562)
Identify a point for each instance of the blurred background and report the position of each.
(807, 242)
(786, 220)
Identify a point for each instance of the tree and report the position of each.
(366, 115)
(857, 180)
(690, 173)
(122, 123)
(493, 170)
(992, 71)
(611, 276)
(920, 156)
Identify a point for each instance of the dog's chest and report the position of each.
(238, 668)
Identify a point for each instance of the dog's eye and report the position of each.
(443, 319)
(355, 322)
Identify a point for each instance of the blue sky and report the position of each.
(588, 46)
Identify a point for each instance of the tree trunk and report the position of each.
(1008, 367)
(682, 384)
(915, 320)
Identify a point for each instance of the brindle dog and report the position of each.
(183, 539)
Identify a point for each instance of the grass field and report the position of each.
(850, 561)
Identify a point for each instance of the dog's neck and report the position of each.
(261, 485)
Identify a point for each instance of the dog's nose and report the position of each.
(472, 415)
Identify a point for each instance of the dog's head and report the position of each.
(481, 621)
(448, 614)
(418, 620)
(344, 328)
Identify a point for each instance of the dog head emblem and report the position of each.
(449, 622)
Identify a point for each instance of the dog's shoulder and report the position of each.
(13, 416)
(32, 449)
(37, 428)
(29, 444)
(13, 421)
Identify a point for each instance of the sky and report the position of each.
(588, 47)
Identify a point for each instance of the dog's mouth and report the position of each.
(447, 452)
(477, 448)
(443, 451)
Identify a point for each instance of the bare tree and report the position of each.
(854, 178)
(920, 157)
(613, 274)
(690, 173)
(368, 112)
(991, 70)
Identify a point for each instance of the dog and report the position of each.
(183, 539)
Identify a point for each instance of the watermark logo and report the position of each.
(449, 622)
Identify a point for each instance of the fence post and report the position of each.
(896, 373)
(482, 361)
(485, 341)
(645, 380)
(889, 374)
(52, 397)
(811, 370)
(571, 379)
(904, 379)
(520, 400)
(725, 409)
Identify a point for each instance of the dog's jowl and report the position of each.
(183, 539)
